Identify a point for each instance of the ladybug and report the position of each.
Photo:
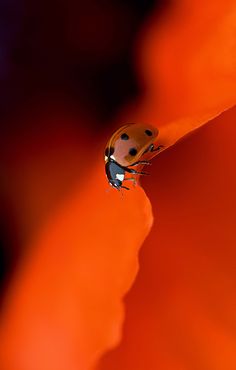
(125, 150)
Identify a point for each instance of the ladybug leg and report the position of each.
(124, 187)
(140, 162)
(130, 170)
(152, 149)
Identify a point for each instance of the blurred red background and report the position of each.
(66, 69)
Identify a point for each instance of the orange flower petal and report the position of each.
(65, 306)
(181, 310)
(189, 58)
(188, 66)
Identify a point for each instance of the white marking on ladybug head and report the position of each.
(120, 176)
(106, 157)
(112, 157)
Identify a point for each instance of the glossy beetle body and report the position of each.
(125, 149)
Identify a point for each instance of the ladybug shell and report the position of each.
(130, 142)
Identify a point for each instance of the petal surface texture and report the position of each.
(65, 307)
(180, 313)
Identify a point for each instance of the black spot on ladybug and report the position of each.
(124, 137)
(109, 151)
(148, 132)
(133, 151)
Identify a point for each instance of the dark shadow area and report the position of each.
(79, 51)
(82, 50)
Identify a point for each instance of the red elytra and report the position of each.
(127, 145)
